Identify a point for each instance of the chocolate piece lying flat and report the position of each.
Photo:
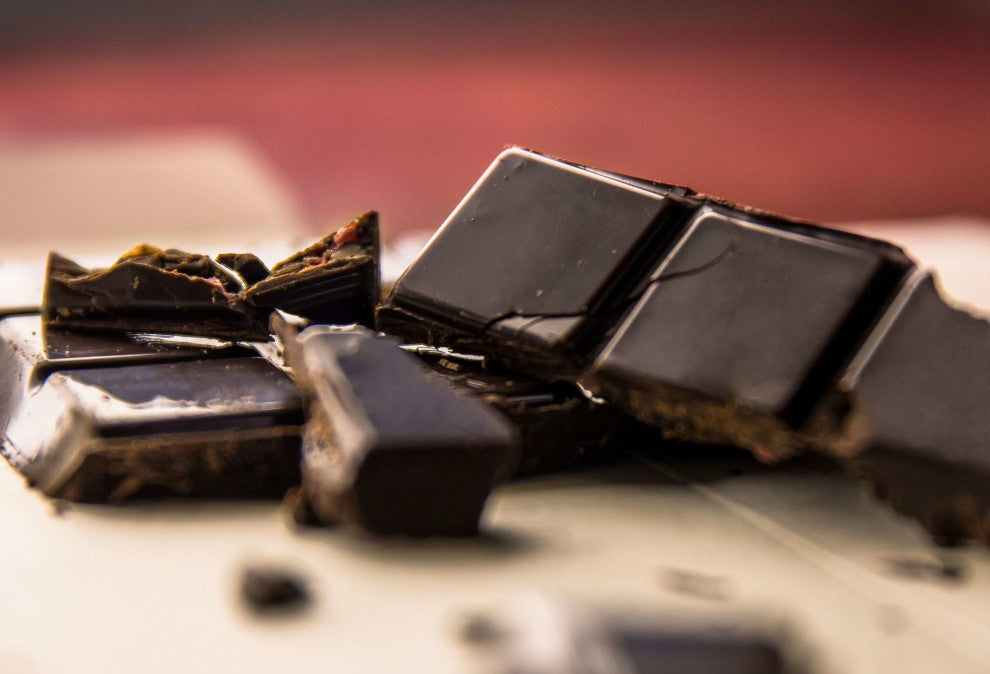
(173, 292)
(922, 389)
(105, 419)
(387, 446)
(559, 428)
(29, 353)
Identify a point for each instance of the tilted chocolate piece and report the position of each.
(559, 427)
(742, 329)
(336, 280)
(532, 263)
(718, 323)
(103, 418)
(387, 446)
(921, 389)
(173, 292)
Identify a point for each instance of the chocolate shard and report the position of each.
(559, 427)
(387, 447)
(105, 419)
(336, 280)
(149, 290)
(717, 323)
(172, 292)
(921, 392)
(247, 265)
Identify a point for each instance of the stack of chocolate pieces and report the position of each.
(556, 314)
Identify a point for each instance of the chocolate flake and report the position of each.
(173, 292)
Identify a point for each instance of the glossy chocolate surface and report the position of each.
(536, 239)
(742, 312)
(104, 418)
(924, 394)
(389, 447)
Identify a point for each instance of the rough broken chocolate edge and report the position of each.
(351, 285)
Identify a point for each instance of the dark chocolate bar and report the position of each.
(150, 290)
(716, 322)
(105, 418)
(173, 292)
(387, 446)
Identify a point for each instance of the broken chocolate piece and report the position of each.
(387, 446)
(177, 293)
(531, 262)
(270, 589)
(336, 280)
(247, 265)
(741, 330)
(921, 389)
(136, 421)
(716, 322)
(149, 290)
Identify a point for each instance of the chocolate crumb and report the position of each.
(268, 589)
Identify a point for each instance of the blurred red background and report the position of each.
(824, 111)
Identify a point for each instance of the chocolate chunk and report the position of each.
(247, 265)
(388, 447)
(531, 262)
(559, 427)
(270, 589)
(741, 330)
(136, 422)
(29, 353)
(177, 293)
(716, 323)
(336, 280)
(921, 390)
(150, 290)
